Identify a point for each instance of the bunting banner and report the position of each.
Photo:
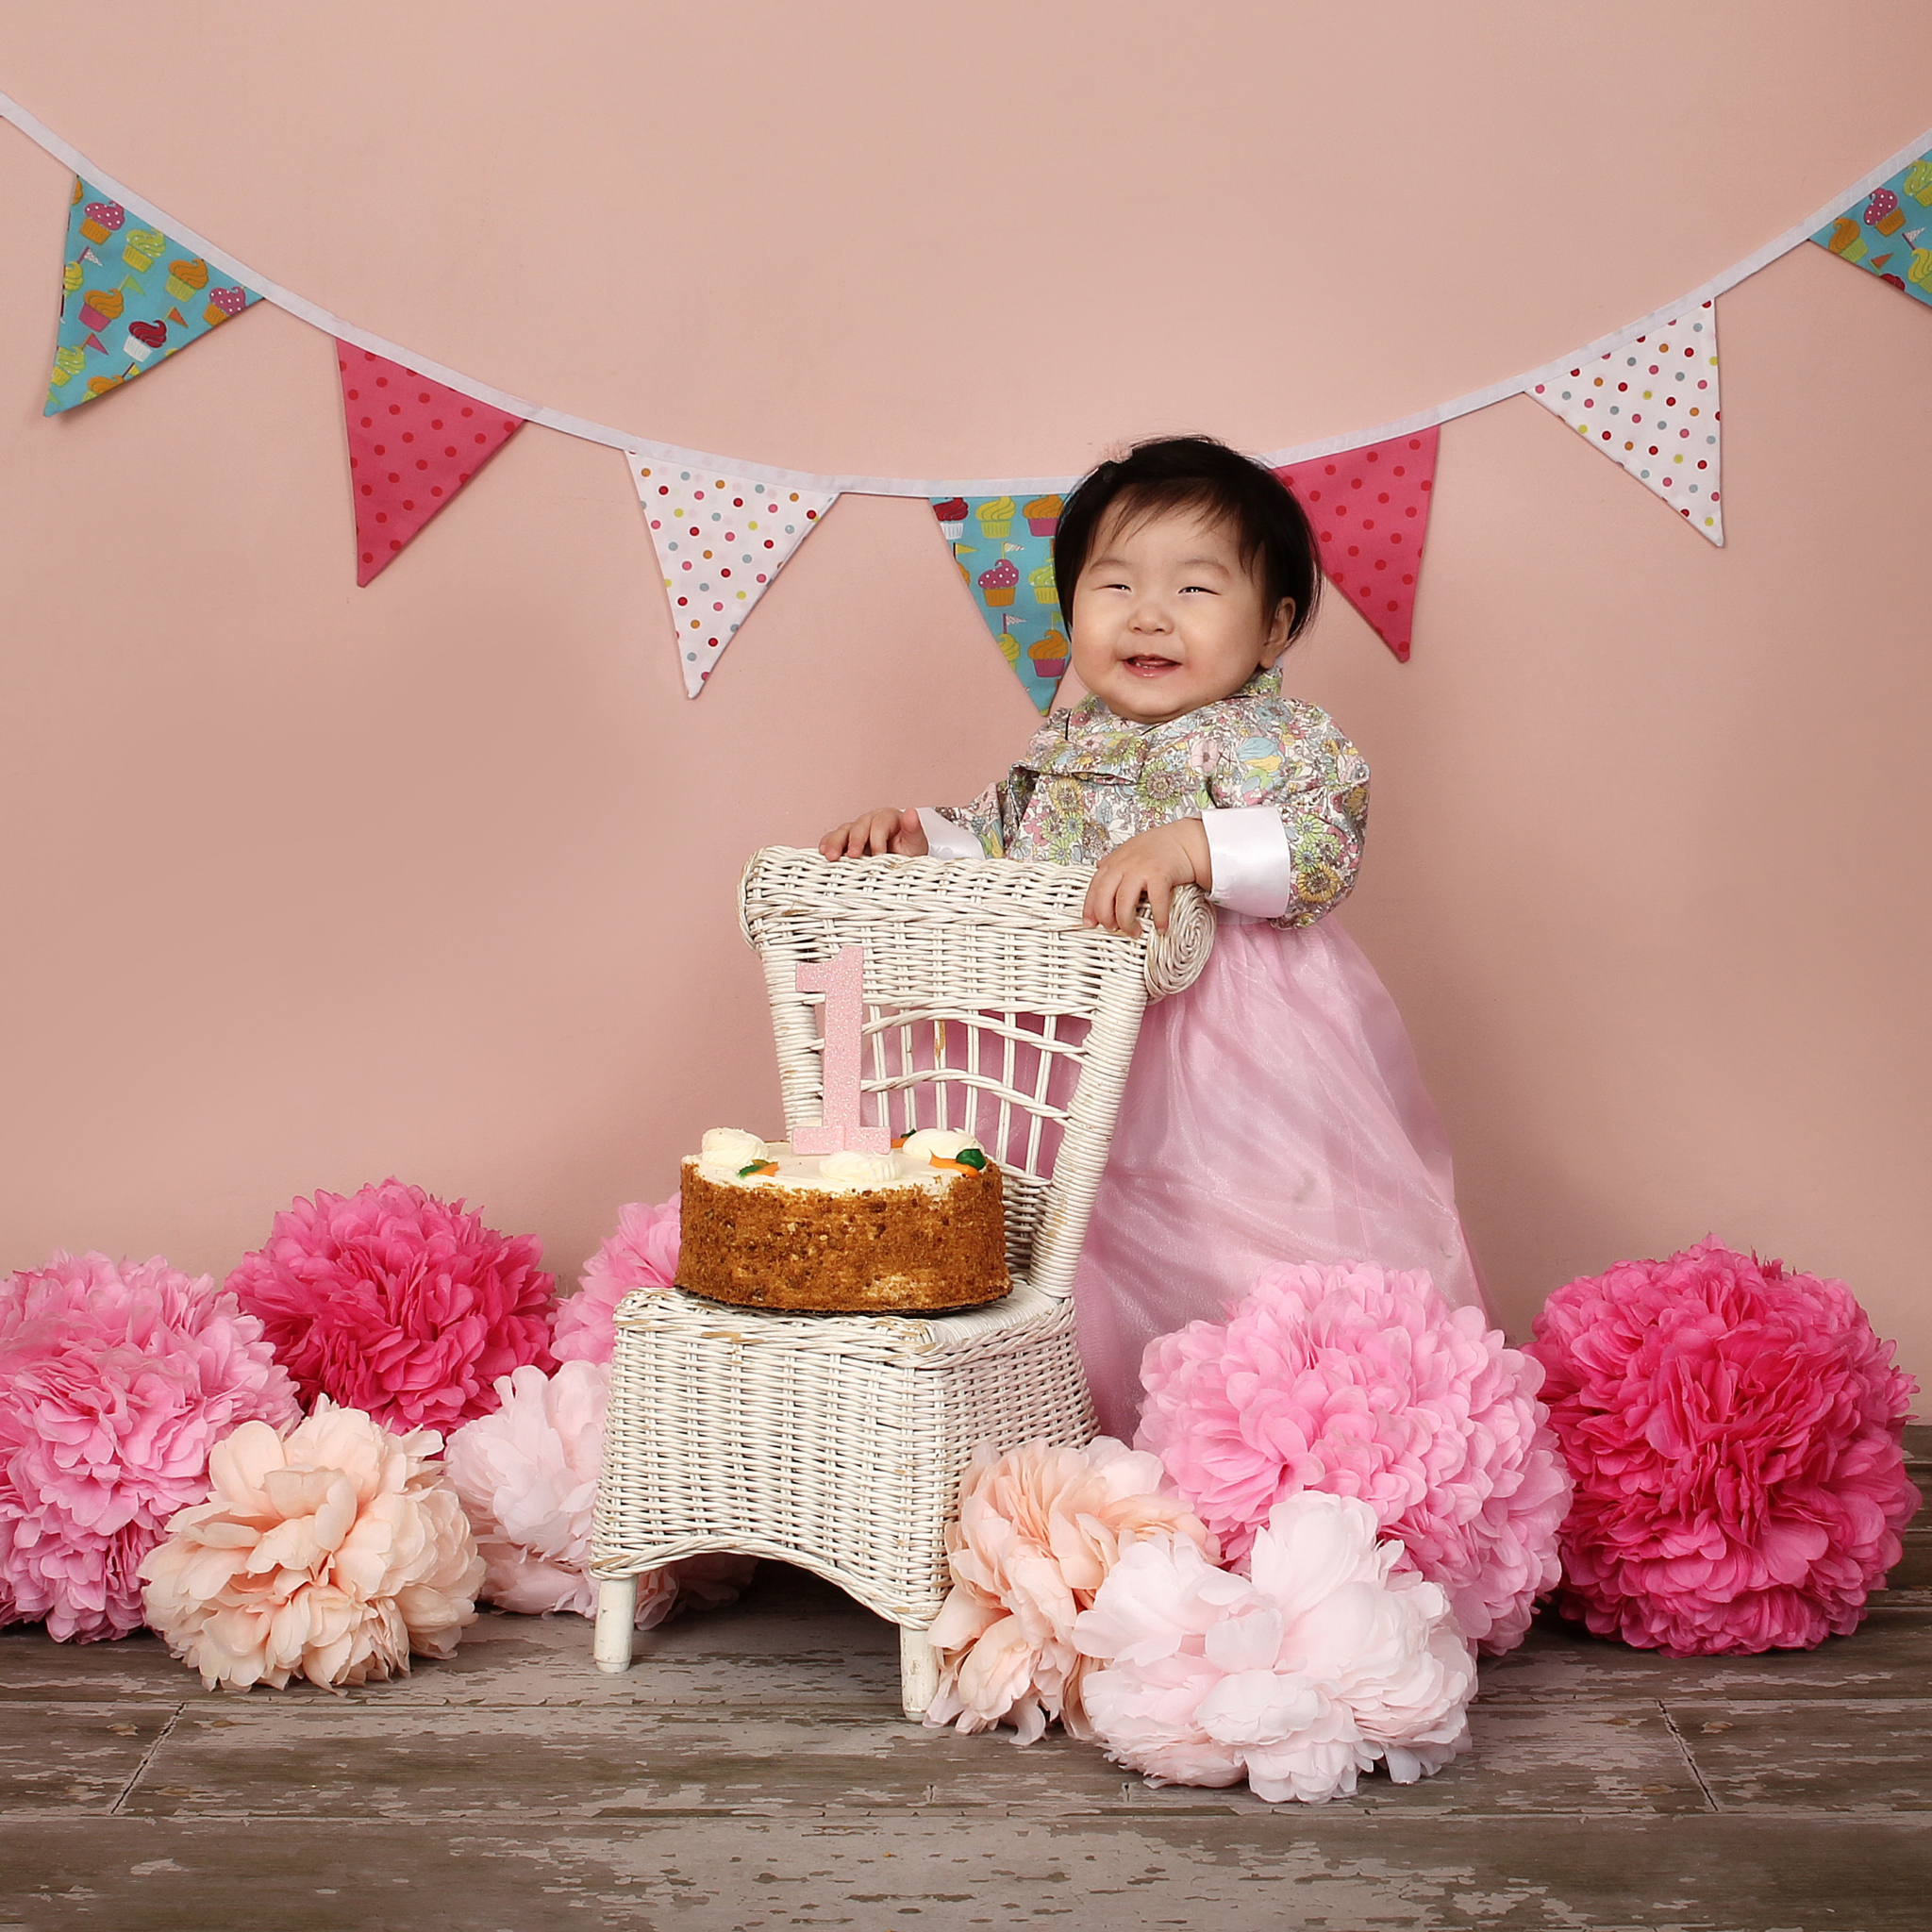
(1004, 552)
(720, 541)
(1883, 233)
(129, 299)
(1369, 511)
(1650, 402)
(138, 286)
(413, 445)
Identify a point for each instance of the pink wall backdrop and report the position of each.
(307, 885)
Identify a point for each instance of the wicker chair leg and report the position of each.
(617, 1608)
(919, 1671)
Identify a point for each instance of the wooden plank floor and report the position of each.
(751, 1771)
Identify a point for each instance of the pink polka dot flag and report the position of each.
(414, 444)
(1370, 510)
(1651, 404)
(720, 540)
(1886, 229)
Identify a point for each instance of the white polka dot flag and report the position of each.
(721, 539)
(1650, 402)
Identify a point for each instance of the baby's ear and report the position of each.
(1278, 628)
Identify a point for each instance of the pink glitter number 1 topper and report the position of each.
(841, 979)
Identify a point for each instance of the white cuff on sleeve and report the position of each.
(1254, 865)
(944, 839)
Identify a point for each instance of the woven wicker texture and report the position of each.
(836, 1441)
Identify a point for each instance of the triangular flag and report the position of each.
(1876, 219)
(1651, 404)
(129, 299)
(720, 541)
(1004, 550)
(413, 443)
(1370, 508)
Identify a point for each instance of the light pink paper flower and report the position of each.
(527, 1476)
(115, 1382)
(1368, 1384)
(1039, 1530)
(331, 1554)
(642, 1254)
(1736, 1434)
(1330, 1655)
(394, 1302)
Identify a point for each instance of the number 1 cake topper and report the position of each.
(841, 979)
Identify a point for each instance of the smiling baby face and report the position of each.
(1168, 616)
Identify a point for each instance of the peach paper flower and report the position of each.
(330, 1553)
(1038, 1530)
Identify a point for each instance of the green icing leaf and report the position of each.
(969, 1157)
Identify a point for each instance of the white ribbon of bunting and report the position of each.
(630, 441)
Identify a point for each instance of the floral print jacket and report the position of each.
(1090, 781)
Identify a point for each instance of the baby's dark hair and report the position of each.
(1196, 473)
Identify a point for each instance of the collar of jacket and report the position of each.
(1089, 742)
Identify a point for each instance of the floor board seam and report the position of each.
(147, 1757)
(1690, 1761)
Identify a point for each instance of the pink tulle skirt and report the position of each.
(1274, 1112)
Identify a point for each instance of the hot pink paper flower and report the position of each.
(1329, 1654)
(330, 1553)
(1039, 1530)
(1368, 1384)
(642, 1254)
(394, 1302)
(1736, 1435)
(115, 1382)
(527, 1476)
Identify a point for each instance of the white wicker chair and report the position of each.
(836, 1441)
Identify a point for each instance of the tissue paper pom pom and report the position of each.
(1368, 1384)
(642, 1254)
(1038, 1531)
(1326, 1656)
(330, 1553)
(1736, 1437)
(394, 1302)
(115, 1382)
(527, 1476)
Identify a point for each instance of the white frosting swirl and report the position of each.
(725, 1150)
(867, 1170)
(938, 1143)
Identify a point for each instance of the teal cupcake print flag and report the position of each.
(129, 299)
(1888, 232)
(1003, 551)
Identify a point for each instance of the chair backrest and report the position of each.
(988, 1007)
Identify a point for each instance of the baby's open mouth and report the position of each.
(1148, 665)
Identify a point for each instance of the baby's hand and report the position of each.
(888, 829)
(1150, 864)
